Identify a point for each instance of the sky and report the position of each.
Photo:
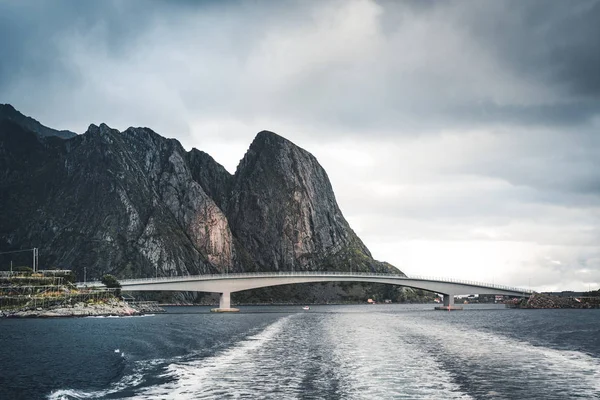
(462, 138)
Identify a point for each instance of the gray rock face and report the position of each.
(110, 308)
(283, 211)
(120, 203)
(136, 204)
(211, 175)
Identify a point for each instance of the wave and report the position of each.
(183, 375)
(496, 366)
(375, 358)
(206, 378)
(369, 355)
(120, 316)
(126, 382)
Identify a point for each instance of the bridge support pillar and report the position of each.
(225, 300)
(225, 304)
(448, 303)
(448, 300)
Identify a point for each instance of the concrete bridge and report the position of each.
(225, 284)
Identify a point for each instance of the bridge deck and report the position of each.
(310, 276)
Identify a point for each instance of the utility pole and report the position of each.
(36, 261)
(35, 255)
(84, 275)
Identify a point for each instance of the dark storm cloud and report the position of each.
(543, 40)
(75, 55)
(481, 63)
(556, 41)
(30, 32)
(548, 44)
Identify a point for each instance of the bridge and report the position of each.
(225, 284)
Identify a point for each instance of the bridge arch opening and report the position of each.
(333, 293)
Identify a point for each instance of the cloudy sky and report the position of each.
(461, 138)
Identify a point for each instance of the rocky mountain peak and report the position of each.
(102, 129)
(8, 109)
(272, 143)
(284, 212)
(134, 204)
(273, 156)
(268, 139)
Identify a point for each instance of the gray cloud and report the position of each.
(502, 62)
(443, 121)
(551, 41)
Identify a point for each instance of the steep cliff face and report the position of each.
(211, 175)
(136, 204)
(123, 203)
(164, 163)
(283, 211)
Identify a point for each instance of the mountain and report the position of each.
(283, 210)
(136, 204)
(8, 112)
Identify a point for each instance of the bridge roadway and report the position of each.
(225, 284)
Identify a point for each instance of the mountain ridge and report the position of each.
(136, 204)
(7, 111)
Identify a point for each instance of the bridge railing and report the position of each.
(471, 283)
(186, 278)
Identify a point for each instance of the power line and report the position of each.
(16, 251)
(35, 261)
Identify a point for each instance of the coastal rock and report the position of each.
(110, 308)
(546, 301)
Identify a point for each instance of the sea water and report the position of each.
(328, 352)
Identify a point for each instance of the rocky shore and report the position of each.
(109, 308)
(544, 301)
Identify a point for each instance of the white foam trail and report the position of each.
(210, 377)
(376, 363)
(128, 381)
(507, 362)
(369, 355)
(120, 316)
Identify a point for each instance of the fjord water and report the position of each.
(332, 352)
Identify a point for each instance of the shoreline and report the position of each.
(111, 308)
(541, 301)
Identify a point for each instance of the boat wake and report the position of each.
(183, 376)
